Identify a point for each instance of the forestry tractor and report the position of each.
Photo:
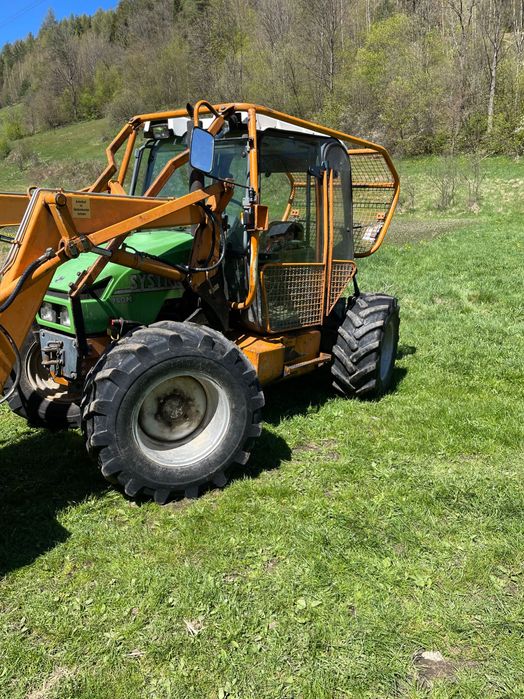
(151, 307)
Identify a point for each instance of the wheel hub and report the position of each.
(174, 409)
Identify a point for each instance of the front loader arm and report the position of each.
(12, 208)
(61, 225)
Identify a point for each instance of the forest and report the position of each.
(419, 76)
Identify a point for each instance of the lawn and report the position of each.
(359, 534)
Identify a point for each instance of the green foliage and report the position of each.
(13, 128)
(5, 147)
(22, 156)
(95, 99)
(398, 86)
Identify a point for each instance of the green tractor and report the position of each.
(167, 300)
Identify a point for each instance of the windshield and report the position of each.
(231, 163)
(151, 160)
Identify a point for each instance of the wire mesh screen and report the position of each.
(341, 274)
(373, 193)
(293, 296)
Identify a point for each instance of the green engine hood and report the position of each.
(119, 292)
(171, 246)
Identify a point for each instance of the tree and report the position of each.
(494, 24)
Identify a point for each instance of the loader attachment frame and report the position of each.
(62, 225)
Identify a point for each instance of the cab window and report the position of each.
(290, 187)
(152, 159)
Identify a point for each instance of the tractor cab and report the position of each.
(304, 180)
(306, 250)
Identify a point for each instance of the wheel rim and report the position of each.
(181, 419)
(40, 380)
(387, 350)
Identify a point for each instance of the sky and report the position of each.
(19, 17)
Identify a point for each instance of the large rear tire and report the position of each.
(170, 408)
(366, 347)
(38, 399)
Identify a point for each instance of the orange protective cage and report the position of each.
(375, 180)
(375, 194)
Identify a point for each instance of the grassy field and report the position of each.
(359, 535)
(53, 158)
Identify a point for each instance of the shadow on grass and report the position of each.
(301, 395)
(296, 397)
(45, 472)
(41, 474)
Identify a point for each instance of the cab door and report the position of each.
(293, 251)
(340, 267)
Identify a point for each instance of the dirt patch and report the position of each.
(430, 665)
(50, 683)
(414, 230)
(311, 447)
(326, 447)
(271, 564)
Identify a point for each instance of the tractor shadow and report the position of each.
(41, 474)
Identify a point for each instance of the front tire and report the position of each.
(170, 408)
(366, 347)
(38, 399)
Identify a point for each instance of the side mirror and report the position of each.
(202, 150)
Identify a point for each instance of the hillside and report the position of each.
(431, 76)
(55, 157)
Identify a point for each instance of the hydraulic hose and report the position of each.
(186, 269)
(49, 253)
(216, 224)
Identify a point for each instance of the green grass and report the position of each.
(359, 534)
(79, 143)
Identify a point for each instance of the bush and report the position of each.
(474, 177)
(5, 147)
(444, 177)
(22, 156)
(407, 195)
(13, 129)
(125, 105)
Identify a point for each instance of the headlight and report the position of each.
(48, 313)
(64, 318)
